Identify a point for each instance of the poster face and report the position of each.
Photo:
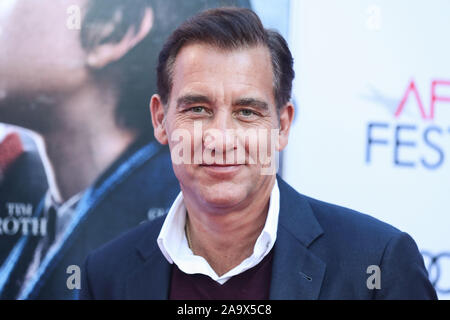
(78, 161)
(372, 132)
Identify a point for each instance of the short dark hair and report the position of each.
(228, 28)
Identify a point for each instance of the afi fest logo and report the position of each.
(412, 144)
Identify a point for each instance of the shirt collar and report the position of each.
(64, 211)
(173, 243)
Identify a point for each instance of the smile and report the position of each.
(221, 170)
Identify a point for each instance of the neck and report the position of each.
(225, 240)
(82, 138)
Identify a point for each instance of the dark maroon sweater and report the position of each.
(253, 284)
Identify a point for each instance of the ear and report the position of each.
(107, 53)
(158, 119)
(286, 117)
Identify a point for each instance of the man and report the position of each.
(84, 89)
(236, 230)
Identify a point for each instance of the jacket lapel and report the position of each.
(151, 279)
(297, 273)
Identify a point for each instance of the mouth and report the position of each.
(221, 170)
(219, 165)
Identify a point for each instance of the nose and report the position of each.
(219, 135)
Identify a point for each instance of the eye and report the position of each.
(246, 113)
(197, 109)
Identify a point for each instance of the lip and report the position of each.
(221, 170)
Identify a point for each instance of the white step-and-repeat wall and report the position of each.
(372, 128)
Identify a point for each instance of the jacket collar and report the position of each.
(296, 272)
(151, 279)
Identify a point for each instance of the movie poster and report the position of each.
(78, 161)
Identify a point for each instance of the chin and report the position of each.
(223, 196)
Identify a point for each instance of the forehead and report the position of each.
(223, 74)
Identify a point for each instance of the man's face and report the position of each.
(40, 52)
(221, 94)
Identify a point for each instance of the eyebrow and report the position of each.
(192, 99)
(251, 102)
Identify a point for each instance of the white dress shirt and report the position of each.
(174, 245)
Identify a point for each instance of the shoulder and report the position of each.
(342, 235)
(106, 269)
(350, 235)
(126, 245)
(349, 242)
(335, 219)
(357, 243)
(346, 222)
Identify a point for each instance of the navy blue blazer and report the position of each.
(322, 251)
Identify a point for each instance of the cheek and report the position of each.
(188, 130)
(259, 144)
(182, 142)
